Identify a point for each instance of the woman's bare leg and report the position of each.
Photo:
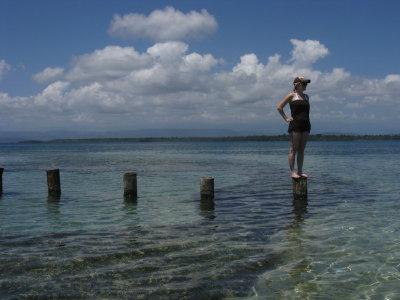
(295, 140)
(300, 153)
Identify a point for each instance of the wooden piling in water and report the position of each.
(53, 182)
(299, 187)
(1, 179)
(207, 188)
(130, 186)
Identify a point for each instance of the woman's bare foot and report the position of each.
(304, 175)
(295, 176)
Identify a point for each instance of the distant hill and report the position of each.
(152, 135)
(16, 136)
(259, 138)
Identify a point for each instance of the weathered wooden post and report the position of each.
(130, 186)
(53, 182)
(299, 188)
(1, 179)
(207, 188)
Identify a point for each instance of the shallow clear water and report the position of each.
(252, 242)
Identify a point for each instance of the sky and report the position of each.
(185, 64)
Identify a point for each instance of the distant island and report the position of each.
(256, 138)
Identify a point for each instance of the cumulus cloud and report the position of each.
(4, 68)
(107, 64)
(48, 74)
(164, 25)
(305, 53)
(168, 52)
(52, 95)
(120, 87)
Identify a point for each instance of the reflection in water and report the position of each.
(297, 274)
(290, 245)
(130, 198)
(130, 207)
(53, 204)
(299, 209)
(54, 215)
(53, 207)
(53, 198)
(207, 206)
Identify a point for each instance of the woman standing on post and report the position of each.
(299, 124)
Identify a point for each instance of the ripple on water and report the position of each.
(351, 251)
(210, 258)
(343, 243)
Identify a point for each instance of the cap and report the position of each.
(301, 79)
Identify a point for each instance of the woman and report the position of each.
(299, 124)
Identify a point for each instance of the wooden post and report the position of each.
(1, 179)
(299, 188)
(53, 182)
(207, 188)
(130, 186)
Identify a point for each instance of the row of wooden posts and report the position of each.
(130, 185)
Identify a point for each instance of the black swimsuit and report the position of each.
(300, 110)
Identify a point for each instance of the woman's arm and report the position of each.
(282, 104)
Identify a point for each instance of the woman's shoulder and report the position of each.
(293, 96)
(288, 98)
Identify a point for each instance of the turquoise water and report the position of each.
(252, 242)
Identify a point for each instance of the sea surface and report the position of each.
(254, 241)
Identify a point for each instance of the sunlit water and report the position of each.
(252, 242)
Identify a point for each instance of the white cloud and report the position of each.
(392, 78)
(392, 83)
(168, 52)
(52, 96)
(167, 84)
(48, 75)
(96, 98)
(305, 53)
(249, 65)
(4, 68)
(164, 25)
(107, 64)
(195, 62)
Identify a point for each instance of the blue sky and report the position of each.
(125, 65)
